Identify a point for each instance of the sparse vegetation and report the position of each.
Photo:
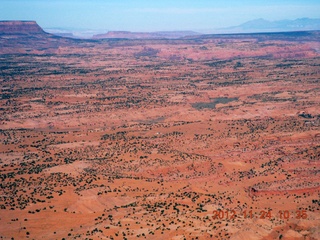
(118, 140)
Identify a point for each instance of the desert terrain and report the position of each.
(201, 137)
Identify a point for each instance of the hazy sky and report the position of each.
(154, 15)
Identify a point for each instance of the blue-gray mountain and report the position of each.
(262, 25)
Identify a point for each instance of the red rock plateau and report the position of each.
(208, 137)
(20, 27)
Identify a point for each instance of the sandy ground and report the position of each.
(102, 141)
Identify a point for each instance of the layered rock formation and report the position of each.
(18, 27)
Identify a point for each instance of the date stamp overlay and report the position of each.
(260, 214)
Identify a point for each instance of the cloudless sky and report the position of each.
(154, 15)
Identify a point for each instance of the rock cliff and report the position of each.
(18, 27)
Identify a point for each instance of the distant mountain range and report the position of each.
(262, 25)
(253, 26)
(26, 37)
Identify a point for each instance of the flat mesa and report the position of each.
(199, 137)
(19, 27)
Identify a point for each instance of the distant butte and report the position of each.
(18, 27)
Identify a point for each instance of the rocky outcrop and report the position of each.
(20, 27)
(28, 37)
